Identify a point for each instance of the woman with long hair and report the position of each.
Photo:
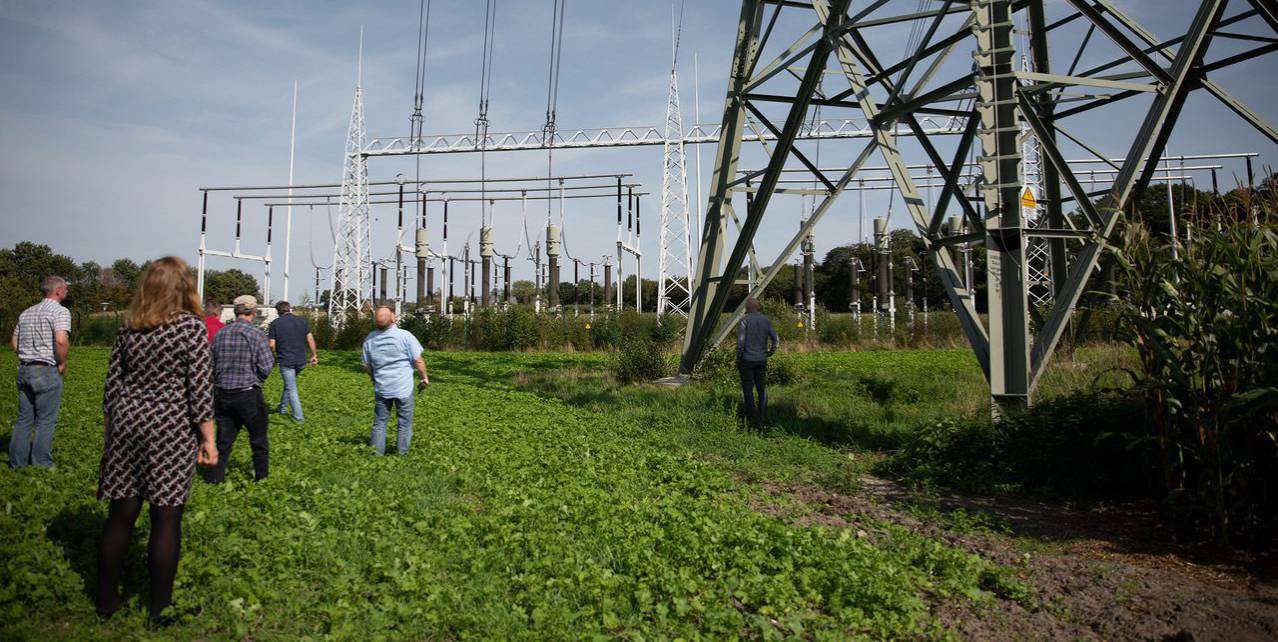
(158, 407)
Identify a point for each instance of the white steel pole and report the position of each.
(288, 218)
(860, 213)
(1171, 213)
(696, 121)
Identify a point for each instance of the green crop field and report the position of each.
(517, 514)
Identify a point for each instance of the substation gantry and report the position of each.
(443, 192)
(780, 70)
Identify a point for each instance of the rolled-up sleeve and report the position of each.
(199, 376)
(263, 360)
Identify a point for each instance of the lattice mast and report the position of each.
(675, 238)
(1037, 251)
(352, 251)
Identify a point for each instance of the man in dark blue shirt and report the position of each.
(756, 341)
(242, 360)
(290, 337)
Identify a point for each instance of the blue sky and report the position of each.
(112, 114)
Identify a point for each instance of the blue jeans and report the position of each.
(39, 398)
(289, 400)
(381, 417)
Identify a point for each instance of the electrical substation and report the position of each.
(985, 93)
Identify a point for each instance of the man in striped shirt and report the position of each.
(41, 341)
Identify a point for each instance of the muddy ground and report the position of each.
(1106, 572)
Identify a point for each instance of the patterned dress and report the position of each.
(159, 388)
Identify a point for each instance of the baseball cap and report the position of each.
(246, 299)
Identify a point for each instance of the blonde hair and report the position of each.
(165, 290)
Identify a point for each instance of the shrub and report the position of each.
(962, 453)
(605, 332)
(638, 359)
(839, 330)
(352, 333)
(96, 329)
(1083, 445)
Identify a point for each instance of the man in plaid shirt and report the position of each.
(41, 341)
(242, 360)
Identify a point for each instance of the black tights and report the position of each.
(163, 550)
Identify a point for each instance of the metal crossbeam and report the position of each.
(624, 137)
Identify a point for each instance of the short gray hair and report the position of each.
(52, 283)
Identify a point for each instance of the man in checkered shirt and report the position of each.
(242, 360)
(41, 341)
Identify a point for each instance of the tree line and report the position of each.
(92, 288)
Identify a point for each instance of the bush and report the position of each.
(1087, 444)
(639, 359)
(1083, 445)
(96, 329)
(962, 453)
(842, 330)
(351, 335)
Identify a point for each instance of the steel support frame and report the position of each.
(1014, 359)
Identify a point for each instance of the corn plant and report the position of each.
(1205, 324)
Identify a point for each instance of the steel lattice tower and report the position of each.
(352, 255)
(834, 66)
(676, 241)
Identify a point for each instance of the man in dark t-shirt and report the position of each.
(756, 341)
(290, 337)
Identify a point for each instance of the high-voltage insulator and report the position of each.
(798, 286)
(910, 268)
(430, 287)
(448, 302)
(425, 275)
(956, 227)
(486, 262)
(854, 270)
(505, 279)
(554, 246)
(607, 280)
(884, 252)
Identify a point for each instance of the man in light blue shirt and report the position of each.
(390, 356)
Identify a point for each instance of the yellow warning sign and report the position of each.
(1027, 199)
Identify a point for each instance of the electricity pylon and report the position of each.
(675, 258)
(891, 86)
(352, 251)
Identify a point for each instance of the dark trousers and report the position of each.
(233, 410)
(753, 377)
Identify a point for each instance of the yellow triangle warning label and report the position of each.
(1027, 199)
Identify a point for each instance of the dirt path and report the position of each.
(1106, 573)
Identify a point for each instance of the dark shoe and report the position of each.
(161, 621)
(172, 615)
(106, 614)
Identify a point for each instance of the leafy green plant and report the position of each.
(639, 359)
(1204, 321)
(514, 516)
